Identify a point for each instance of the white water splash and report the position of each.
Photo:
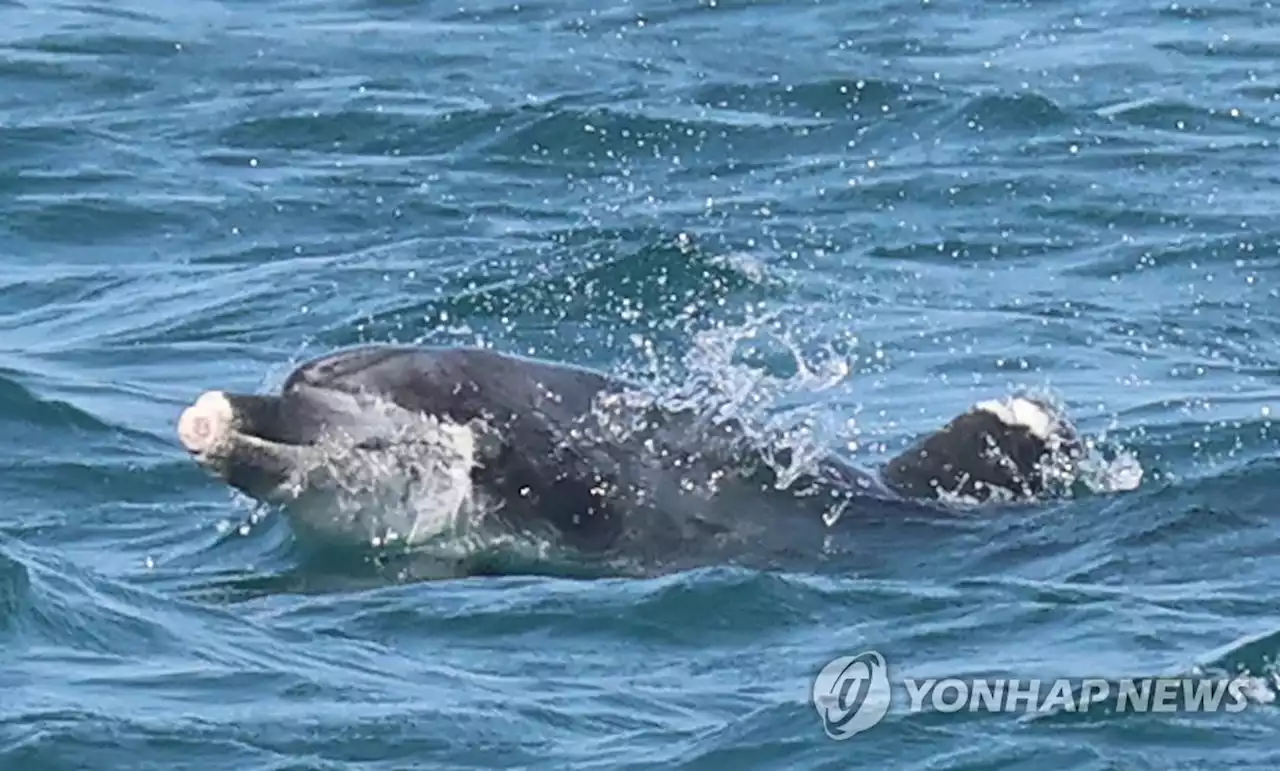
(1120, 473)
(413, 486)
(783, 417)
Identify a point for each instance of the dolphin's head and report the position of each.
(344, 465)
(1015, 448)
(233, 436)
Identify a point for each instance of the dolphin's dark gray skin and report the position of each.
(551, 449)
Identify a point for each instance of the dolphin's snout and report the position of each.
(207, 422)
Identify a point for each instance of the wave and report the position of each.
(672, 279)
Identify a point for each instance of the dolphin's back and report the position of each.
(462, 383)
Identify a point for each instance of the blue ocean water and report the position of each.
(936, 201)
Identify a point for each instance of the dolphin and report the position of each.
(385, 443)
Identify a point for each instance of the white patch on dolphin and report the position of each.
(1021, 411)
